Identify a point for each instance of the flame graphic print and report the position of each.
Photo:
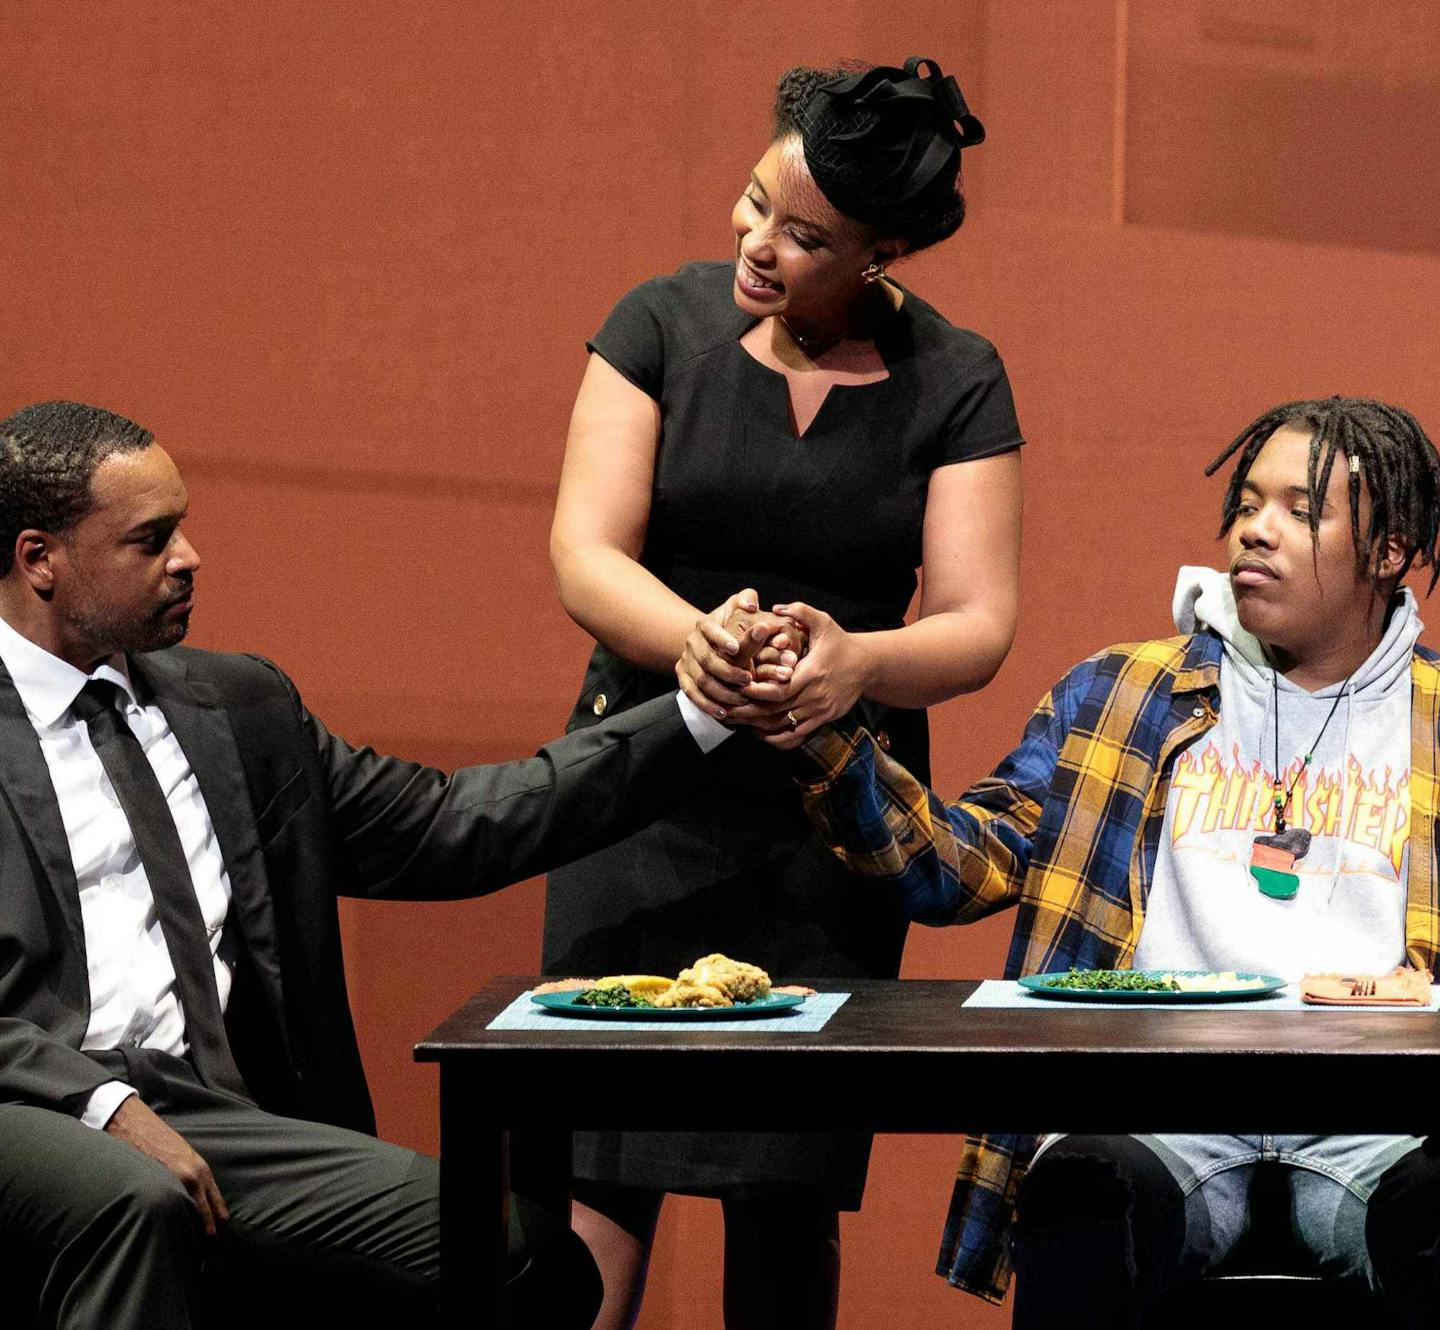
(1209, 794)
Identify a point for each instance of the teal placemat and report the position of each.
(811, 1015)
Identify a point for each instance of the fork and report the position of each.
(1362, 987)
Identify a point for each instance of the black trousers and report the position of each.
(1099, 1233)
(332, 1219)
(1402, 1231)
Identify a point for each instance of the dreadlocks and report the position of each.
(1385, 445)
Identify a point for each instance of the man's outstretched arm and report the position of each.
(953, 863)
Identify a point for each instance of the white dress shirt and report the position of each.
(132, 981)
(708, 732)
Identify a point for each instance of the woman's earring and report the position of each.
(873, 273)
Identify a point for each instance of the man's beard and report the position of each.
(110, 630)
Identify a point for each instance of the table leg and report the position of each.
(474, 1204)
(540, 1168)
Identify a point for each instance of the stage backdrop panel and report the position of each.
(343, 258)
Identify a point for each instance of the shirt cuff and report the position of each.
(823, 756)
(104, 1100)
(708, 732)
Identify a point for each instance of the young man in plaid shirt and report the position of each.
(1259, 793)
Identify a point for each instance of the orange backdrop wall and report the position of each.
(343, 259)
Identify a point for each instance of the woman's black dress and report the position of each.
(833, 518)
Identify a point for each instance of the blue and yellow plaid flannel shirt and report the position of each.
(1066, 829)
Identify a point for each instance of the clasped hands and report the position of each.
(782, 672)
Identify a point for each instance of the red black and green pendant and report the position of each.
(1272, 859)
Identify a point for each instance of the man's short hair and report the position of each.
(48, 456)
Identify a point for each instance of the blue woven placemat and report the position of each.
(811, 1015)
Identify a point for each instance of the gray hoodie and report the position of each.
(1205, 910)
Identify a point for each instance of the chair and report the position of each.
(1265, 1282)
(1263, 1302)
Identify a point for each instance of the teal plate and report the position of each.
(1037, 984)
(563, 1004)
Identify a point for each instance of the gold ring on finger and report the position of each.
(792, 718)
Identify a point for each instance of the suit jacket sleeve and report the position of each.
(38, 1068)
(413, 832)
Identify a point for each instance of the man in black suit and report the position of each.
(177, 1059)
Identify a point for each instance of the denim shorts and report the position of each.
(1330, 1180)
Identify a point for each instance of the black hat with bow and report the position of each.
(877, 142)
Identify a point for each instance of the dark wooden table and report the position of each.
(900, 1056)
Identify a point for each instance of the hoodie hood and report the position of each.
(1204, 601)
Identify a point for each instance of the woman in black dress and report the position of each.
(794, 422)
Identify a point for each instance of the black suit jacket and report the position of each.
(301, 818)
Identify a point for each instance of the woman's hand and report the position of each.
(730, 649)
(825, 684)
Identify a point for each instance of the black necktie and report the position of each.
(158, 843)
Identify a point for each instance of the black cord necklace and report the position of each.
(1282, 794)
(1273, 854)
